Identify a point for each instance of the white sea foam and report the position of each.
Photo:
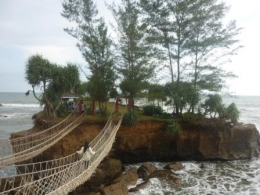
(7, 116)
(21, 105)
(215, 178)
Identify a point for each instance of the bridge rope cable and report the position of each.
(24, 148)
(43, 144)
(11, 143)
(60, 181)
(32, 168)
(43, 169)
(6, 146)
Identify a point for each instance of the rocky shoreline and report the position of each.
(111, 179)
(148, 142)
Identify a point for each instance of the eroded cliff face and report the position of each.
(147, 141)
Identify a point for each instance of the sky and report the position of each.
(31, 27)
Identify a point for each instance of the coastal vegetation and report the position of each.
(53, 80)
(166, 51)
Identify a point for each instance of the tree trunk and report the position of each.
(93, 107)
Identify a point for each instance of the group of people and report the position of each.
(80, 107)
(70, 106)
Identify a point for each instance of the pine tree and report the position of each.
(95, 46)
(192, 32)
(135, 60)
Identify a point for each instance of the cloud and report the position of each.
(29, 27)
(31, 22)
(33, 26)
(56, 54)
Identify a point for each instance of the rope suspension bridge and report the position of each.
(58, 176)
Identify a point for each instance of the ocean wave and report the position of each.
(18, 115)
(239, 177)
(21, 105)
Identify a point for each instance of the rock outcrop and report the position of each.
(108, 170)
(148, 141)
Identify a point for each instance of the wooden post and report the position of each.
(117, 104)
(93, 108)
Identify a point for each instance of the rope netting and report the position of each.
(22, 149)
(10, 146)
(62, 175)
(33, 168)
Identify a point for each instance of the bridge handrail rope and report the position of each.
(12, 141)
(57, 161)
(16, 144)
(53, 165)
(78, 168)
(84, 174)
(44, 144)
(94, 141)
(10, 180)
(32, 168)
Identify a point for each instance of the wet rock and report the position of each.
(107, 171)
(166, 175)
(145, 170)
(128, 178)
(174, 166)
(115, 189)
(140, 186)
(89, 193)
(240, 142)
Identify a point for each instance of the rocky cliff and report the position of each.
(147, 141)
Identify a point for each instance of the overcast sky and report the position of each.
(28, 27)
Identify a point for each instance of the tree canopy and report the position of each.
(196, 41)
(186, 41)
(52, 80)
(135, 64)
(95, 46)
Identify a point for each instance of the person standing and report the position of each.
(118, 100)
(86, 152)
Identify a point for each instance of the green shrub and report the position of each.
(166, 115)
(150, 110)
(188, 117)
(173, 128)
(129, 118)
(88, 111)
(232, 113)
(213, 105)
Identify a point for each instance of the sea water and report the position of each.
(16, 111)
(240, 177)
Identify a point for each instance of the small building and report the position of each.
(69, 101)
(69, 97)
